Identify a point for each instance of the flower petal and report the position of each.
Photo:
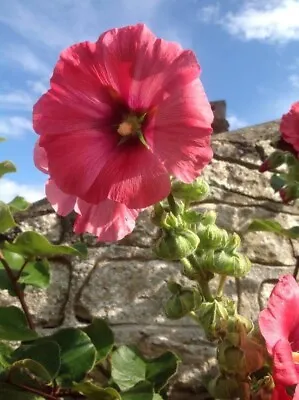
(280, 393)
(40, 158)
(289, 126)
(133, 176)
(296, 394)
(281, 317)
(75, 161)
(108, 220)
(62, 203)
(180, 130)
(284, 368)
(144, 68)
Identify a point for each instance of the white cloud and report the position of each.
(294, 80)
(209, 13)
(9, 189)
(14, 126)
(266, 20)
(25, 58)
(236, 122)
(37, 87)
(17, 99)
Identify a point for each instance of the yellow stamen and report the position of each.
(295, 357)
(125, 129)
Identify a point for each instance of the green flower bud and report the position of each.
(231, 359)
(223, 387)
(236, 326)
(212, 237)
(275, 160)
(157, 214)
(174, 287)
(233, 243)
(169, 221)
(213, 317)
(222, 263)
(209, 217)
(195, 191)
(176, 244)
(180, 304)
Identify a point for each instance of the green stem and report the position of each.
(19, 292)
(221, 284)
(202, 282)
(21, 270)
(46, 396)
(172, 205)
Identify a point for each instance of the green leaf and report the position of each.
(32, 244)
(27, 372)
(5, 283)
(18, 204)
(46, 354)
(141, 391)
(128, 368)
(6, 167)
(78, 354)
(2, 139)
(13, 325)
(277, 182)
(94, 392)
(161, 369)
(36, 273)
(81, 248)
(14, 260)
(5, 352)
(6, 218)
(9, 392)
(269, 225)
(101, 336)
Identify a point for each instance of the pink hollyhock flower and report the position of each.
(279, 324)
(289, 126)
(108, 220)
(123, 114)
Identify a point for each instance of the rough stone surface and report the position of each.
(126, 283)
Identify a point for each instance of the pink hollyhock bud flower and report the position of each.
(121, 115)
(289, 126)
(108, 220)
(279, 325)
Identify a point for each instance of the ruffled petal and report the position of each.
(280, 393)
(284, 368)
(289, 126)
(281, 317)
(133, 176)
(108, 220)
(40, 158)
(142, 67)
(62, 203)
(75, 161)
(180, 131)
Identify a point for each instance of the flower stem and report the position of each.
(222, 279)
(202, 282)
(46, 396)
(19, 292)
(21, 270)
(172, 205)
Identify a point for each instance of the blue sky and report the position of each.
(248, 50)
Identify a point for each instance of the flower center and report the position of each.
(295, 356)
(130, 126)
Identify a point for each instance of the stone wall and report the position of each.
(126, 283)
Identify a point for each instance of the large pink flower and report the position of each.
(108, 220)
(289, 126)
(123, 114)
(279, 324)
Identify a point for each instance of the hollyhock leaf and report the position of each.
(13, 325)
(46, 354)
(77, 354)
(283, 365)
(161, 369)
(6, 167)
(37, 274)
(5, 283)
(14, 260)
(109, 221)
(277, 182)
(94, 392)
(281, 316)
(27, 371)
(141, 391)
(18, 204)
(10, 392)
(101, 336)
(6, 218)
(5, 353)
(128, 367)
(269, 225)
(32, 244)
